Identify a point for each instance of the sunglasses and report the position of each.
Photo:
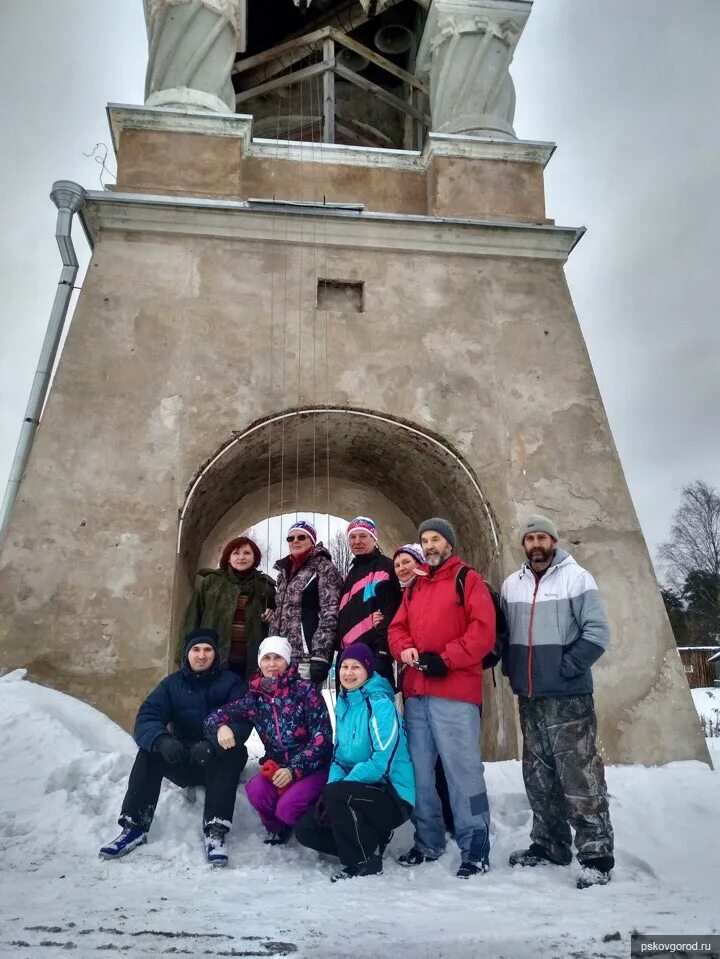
(301, 537)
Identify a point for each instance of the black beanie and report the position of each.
(202, 635)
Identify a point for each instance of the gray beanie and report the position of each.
(438, 525)
(538, 524)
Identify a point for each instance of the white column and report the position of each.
(466, 49)
(191, 51)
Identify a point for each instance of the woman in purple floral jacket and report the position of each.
(293, 723)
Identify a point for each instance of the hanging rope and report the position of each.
(279, 302)
(271, 364)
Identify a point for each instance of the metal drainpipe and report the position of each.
(68, 197)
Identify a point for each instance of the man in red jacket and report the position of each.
(442, 642)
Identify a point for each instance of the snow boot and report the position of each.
(415, 857)
(595, 872)
(215, 845)
(468, 869)
(129, 838)
(535, 855)
(278, 838)
(373, 867)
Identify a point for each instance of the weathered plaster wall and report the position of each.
(169, 354)
(215, 166)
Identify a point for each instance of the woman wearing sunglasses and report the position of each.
(306, 605)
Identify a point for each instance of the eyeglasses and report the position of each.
(301, 537)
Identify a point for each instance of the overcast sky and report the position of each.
(629, 90)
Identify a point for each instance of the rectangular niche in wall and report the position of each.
(341, 296)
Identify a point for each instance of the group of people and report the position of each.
(255, 653)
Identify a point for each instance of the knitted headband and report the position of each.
(365, 523)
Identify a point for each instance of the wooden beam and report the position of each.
(344, 40)
(329, 93)
(380, 93)
(284, 81)
(293, 50)
(362, 134)
(295, 47)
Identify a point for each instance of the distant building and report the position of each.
(701, 665)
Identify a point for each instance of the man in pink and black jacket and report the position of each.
(370, 587)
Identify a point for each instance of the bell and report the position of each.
(352, 61)
(393, 39)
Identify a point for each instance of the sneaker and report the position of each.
(589, 876)
(278, 838)
(373, 867)
(415, 857)
(215, 846)
(129, 838)
(535, 855)
(468, 869)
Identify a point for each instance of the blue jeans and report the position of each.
(452, 730)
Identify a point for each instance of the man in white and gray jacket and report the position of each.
(557, 629)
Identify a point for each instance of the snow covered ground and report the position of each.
(707, 702)
(64, 767)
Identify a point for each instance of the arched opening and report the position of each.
(343, 462)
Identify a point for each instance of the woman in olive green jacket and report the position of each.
(232, 600)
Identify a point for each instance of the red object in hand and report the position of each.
(268, 770)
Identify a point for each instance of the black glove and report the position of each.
(319, 669)
(201, 753)
(433, 664)
(171, 749)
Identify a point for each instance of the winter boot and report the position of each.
(535, 855)
(278, 838)
(373, 867)
(215, 845)
(129, 838)
(595, 872)
(468, 869)
(415, 857)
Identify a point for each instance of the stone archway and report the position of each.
(344, 461)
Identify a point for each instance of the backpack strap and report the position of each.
(460, 578)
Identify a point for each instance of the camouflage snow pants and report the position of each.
(564, 777)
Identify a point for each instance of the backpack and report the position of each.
(492, 658)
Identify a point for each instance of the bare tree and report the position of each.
(691, 555)
(340, 552)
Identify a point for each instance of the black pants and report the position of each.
(358, 819)
(220, 778)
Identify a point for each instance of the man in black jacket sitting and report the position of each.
(169, 731)
(370, 596)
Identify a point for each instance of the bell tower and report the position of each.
(325, 280)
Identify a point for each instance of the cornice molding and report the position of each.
(335, 227)
(123, 117)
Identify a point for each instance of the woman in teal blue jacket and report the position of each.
(371, 787)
